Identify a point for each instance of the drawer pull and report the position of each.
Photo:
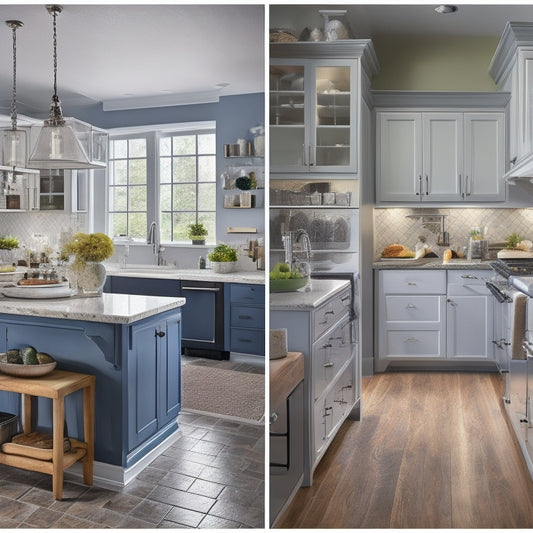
(327, 411)
(329, 313)
(328, 345)
(244, 340)
(410, 306)
(411, 283)
(411, 339)
(345, 298)
(468, 276)
(329, 365)
(245, 317)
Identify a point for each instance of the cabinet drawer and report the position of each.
(248, 294)
(330, 354)
(247, 317)
(332, 311)
(405, 308)
(331, 410)
(414, 343)
(469, 277)
(248, 341)
(413, 281)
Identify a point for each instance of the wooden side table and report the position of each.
(56, 385)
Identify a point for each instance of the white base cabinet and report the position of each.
(433, 316)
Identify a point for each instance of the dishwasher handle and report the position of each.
(205, 289)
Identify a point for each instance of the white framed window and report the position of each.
(164, 174)
(187, 184)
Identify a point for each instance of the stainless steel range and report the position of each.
(518, 277)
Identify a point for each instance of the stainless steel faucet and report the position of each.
(297, 242)
(154, 240)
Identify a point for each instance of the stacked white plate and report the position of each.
(54, 290)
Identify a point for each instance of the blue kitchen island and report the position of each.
(132, 344)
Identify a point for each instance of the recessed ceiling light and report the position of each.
(445, 9)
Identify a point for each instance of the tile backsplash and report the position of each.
(393, 225)
(54, 227)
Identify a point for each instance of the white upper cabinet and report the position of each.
(315, 92)
(444, 156)
(512, 70)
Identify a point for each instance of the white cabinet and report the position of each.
(440, 156)
(434, 315)
(469, 316)
(315, 91)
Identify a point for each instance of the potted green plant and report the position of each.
(89, 250)
(197, 233)
(223, 258)
(7, 245)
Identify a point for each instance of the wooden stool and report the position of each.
(56, 385)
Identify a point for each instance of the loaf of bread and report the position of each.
(397, 250)
(446, 256)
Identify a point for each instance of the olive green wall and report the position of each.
(434, 63)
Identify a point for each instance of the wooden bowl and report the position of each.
(27, 371)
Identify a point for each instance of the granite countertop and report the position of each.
(321, 290)
(433, 263)
(108, 308)
(191, 274)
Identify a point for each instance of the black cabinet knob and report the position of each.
(159, 333)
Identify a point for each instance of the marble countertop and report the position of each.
(321, 290)
(434, 263)
(190, 274)
(108, 308)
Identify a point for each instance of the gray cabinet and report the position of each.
(440, 156)
(315, 90)
(434, 316)
(326, 335)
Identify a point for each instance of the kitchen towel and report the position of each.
(518, 325)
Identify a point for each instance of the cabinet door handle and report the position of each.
(419, 192)
(159, 333)
(328, 345)
(273, 417)
(329, 313)
(346, 298)
(427, 185)
(452, 303)
(329, 365)
(513, 160)
(461, 191)
(311, 160)
(410, 306)
(468, 186)
(304, 154)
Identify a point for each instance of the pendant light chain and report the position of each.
(14, 25)
(56, 115)
(14, 98)
(54, 14)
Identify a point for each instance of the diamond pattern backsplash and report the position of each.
(35, 230)
(393, 225)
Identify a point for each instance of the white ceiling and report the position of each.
(369, 20)
(148, 52)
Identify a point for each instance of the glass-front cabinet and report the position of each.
(313, 115)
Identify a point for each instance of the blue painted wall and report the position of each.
(234, 116)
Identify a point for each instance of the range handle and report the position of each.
(205, 289)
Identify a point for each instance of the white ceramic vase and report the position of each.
(91, 279)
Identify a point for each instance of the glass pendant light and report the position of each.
(57, 146)
(14, 140)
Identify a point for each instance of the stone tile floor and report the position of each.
(212, 476)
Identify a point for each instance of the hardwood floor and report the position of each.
(433, 450)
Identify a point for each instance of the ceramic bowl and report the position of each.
(27, 371)
(286, 285)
